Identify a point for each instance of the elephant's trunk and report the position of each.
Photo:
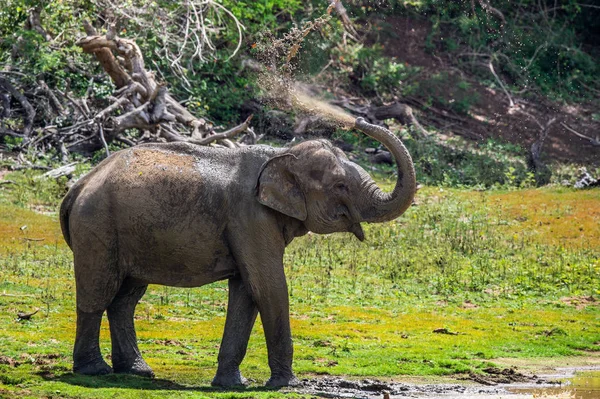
(379, 206)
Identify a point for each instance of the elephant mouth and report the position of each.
(358, 232)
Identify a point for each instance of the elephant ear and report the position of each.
(278, 189)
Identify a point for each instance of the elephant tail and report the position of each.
(65, 210)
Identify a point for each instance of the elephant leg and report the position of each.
(87, 358)
(97, 283)
(126, 357)
(273, 306)
(258, 247)
(241, 315)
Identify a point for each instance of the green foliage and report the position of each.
(381, 75)
(31, 189)
(546, 46)
(11, 142)
(213, 86)
(539, 45)
(33, 54)
(456, 163)
(217, 91)
(262, 14)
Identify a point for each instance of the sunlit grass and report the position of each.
(491, 267)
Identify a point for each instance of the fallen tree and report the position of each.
(147, 104)
(138, 102)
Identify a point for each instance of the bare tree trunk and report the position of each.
(34, 22)
(534, 160)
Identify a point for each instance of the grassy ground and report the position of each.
(508, 275)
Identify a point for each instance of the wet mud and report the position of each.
(333, 387)
(573, 383)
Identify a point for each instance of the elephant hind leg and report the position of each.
(126, 356)
(96, 286)
(87, 358)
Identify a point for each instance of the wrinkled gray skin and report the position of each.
(183, 215)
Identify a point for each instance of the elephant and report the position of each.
(185, 215)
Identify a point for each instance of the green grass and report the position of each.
(509, 271)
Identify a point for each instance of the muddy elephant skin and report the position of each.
(183, 215)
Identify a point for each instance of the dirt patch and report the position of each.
(580, 302)
(8, 361)
(469, 305)
(47, 359)
(404, 38)
(494, 376)
(168, 342)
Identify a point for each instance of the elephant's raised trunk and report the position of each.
(379, 206)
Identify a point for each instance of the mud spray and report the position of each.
(282, 91)
(285, 93)
(311, 105)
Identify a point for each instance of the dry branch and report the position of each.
(534, 159)
(485, 4)
(593, 141)
(64, 170)
(26, 316)
(341, 11)
(28, 109)
(147, 104)
(402, 113)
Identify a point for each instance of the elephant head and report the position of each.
(317, 184)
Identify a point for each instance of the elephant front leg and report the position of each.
(258, 248)
(241, 315)
(273, 306)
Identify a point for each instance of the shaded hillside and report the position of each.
(489, 114)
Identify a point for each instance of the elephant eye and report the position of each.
(341, 187)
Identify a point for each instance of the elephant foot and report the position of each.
(93, 367)
(137, 367)
(229, 379)
(278, 381)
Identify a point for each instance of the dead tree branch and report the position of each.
(541, 171)
(593, 141)
(396, 110)
(341, 11)
(511, 103)
(485, 4)
(147, 104)
(29, 117)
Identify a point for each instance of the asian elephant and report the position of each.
(184, 215)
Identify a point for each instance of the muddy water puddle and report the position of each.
(567, 383)
(581, 384)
